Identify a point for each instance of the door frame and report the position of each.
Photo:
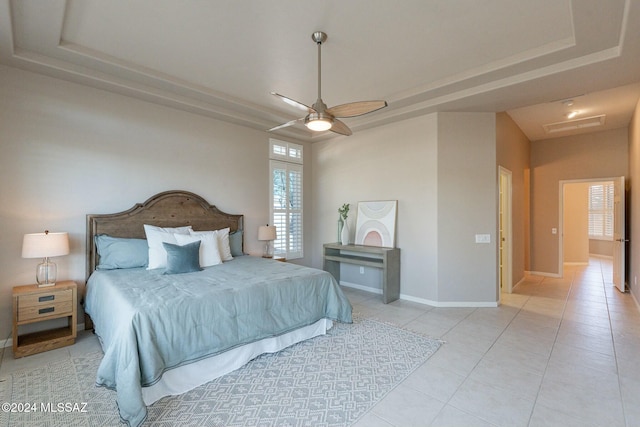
(505, 230)
(619, 235)
(561, 185)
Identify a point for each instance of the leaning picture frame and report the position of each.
(376, 223)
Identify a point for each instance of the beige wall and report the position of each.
(394, 162)
(467, 206)
(513, 153)
(634, 208)
(575, 223)
(67, 150)
(601, 247)
(596, 155)
(442, 170)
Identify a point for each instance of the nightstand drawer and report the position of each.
(42, 305)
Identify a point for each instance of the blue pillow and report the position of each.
(182, 259)
(118, 252)
(235, 243)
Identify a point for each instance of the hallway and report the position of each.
(592, 372)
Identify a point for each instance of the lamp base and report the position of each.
(46, 273)
(45, 285)
(268, 250)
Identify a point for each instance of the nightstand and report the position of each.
(32, 304)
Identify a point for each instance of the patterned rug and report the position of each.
(331, 380)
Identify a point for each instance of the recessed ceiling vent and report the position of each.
(586, 122)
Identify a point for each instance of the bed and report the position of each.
(164, 334)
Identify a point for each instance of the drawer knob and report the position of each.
(46, 310)
(47, 298)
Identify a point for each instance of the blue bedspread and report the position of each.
(149, 322)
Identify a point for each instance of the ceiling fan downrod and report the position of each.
(319, 37)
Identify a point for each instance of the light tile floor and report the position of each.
(557, 352)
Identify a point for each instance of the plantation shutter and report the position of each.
(286, 183)
(601, 211)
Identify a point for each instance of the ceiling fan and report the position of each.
(319, 117)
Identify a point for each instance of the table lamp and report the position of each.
(45, 245)
(267, 233)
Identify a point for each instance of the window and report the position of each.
(285, 167)
(601, 211)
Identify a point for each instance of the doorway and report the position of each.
(592, 222)
(505, 249)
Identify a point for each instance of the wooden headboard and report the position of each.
(169, 209)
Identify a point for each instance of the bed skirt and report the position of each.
(184, 378)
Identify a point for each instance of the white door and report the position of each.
(504, 224)
(619, 238)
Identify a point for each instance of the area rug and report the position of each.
(331, 380)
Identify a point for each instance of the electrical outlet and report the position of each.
(361, 270)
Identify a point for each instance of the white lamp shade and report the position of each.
(267, 232)
(45, 245)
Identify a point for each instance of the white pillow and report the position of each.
(223, 242)
(155, 237)
(209, 252)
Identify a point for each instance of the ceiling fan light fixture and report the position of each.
(318, 122)
(320, 118)
(319, 125)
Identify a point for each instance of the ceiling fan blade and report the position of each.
(354, 109)
(340, 127)
(293, 103)
(284, 125)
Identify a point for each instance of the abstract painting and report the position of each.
(376, 223)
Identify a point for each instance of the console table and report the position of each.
(388, 259)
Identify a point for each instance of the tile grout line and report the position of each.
(555, 339)
(613, 343)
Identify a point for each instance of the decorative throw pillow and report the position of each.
(182, 259)
(209, 252)
(155, 237)
(235, 243)
(118, 252)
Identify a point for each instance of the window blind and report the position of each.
(601, 211)
(286, 201)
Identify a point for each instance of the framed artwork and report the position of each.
(376, 223)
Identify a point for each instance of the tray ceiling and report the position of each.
(223, 58)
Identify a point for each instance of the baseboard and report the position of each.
(542, 273)
(600, 256)
(453, 304)
(519, 282)
(422, 300)
(361, 287)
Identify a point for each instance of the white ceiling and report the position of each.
(222, 58)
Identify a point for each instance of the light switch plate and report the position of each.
(483, 238)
